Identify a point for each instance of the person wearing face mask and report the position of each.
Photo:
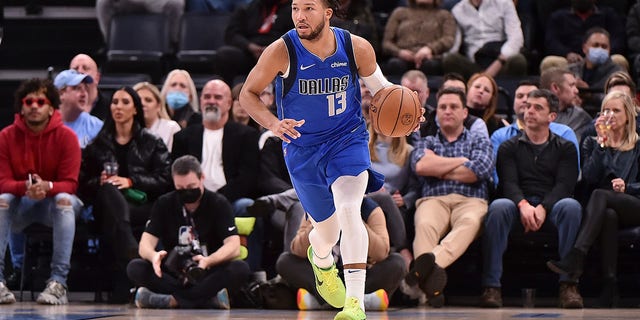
(567, 28)
(179, 93)
(229, 154)
(197, 216)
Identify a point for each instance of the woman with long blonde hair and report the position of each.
(156, 118)
(613, 173)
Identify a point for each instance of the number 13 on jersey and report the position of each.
(338, 98)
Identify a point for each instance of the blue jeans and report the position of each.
(23, 211)
(504, 217)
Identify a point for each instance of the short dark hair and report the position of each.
(186, 164)
(528, 82)
(594, 30)
(33, 86)
(552, 99)
(619, 78)
(453, 90)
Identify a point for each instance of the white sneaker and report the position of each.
(55, 293)
(6, 296)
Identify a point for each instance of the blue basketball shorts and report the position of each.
(314, 168)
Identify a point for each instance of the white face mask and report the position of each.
(211, 113)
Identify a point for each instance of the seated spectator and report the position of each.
(385, 270)
(172, 9)
(356, 16)
(391, 156)
(156, 118)
(417, 81)
(482, 100)
(251, 29)
(455, 167)
(122, 197)
(229, 154)
(617, 81)
(491, 38)
(611, 172)
(238, 113)
(537, 173)
(39, 166)
(417, 36)
(520, 106)
(74, 97)
(98, 103)
(562, 83)
(181, 96)
(195, 219)
(567, 29)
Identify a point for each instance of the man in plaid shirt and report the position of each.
(455, 167)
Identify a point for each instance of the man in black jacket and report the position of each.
(537, 173)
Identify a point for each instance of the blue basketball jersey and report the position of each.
(326, 94)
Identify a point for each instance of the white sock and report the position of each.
(323, 262)
(354, 282)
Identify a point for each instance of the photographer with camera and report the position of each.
(188, 223)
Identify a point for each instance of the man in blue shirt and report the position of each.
(74, 97)
(455, 166)
(519, 107)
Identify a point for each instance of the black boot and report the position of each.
(570, 265)
(609, 296)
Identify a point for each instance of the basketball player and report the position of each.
(324, 138)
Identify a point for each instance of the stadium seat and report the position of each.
(197, 48)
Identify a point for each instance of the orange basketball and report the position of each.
(395, 111)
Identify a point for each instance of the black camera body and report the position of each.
(180, 262)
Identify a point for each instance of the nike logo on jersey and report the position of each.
(303, 67)
(231, 228)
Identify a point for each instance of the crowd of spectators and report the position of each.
(467, 169)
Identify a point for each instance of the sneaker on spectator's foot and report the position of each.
(328, 283)
(6, 296)
(351, 311)
(569, 296)
(146, 298)
(306, 301)
(491, 298)
(55, 293)
(377, 300)
(221, 300)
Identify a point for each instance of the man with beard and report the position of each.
(229, 154)
(325, 139)
(198, 219)
(39, 168)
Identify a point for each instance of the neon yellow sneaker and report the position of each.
(328, 284)
(351, 311)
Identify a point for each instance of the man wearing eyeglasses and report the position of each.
(39, 167)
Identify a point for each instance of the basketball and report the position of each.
(395, 111)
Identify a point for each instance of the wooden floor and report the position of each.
(77, 310)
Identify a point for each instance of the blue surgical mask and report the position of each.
(598, 56)
(177, 99)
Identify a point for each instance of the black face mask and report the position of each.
(582, 5)
(189, 195)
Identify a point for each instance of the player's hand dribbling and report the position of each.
(285, 128)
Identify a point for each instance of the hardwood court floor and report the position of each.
(86, 310)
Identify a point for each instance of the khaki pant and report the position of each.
(454, 218)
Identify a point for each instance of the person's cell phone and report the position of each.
(32, 179)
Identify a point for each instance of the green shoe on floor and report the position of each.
(328, 283)
(351, 311)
